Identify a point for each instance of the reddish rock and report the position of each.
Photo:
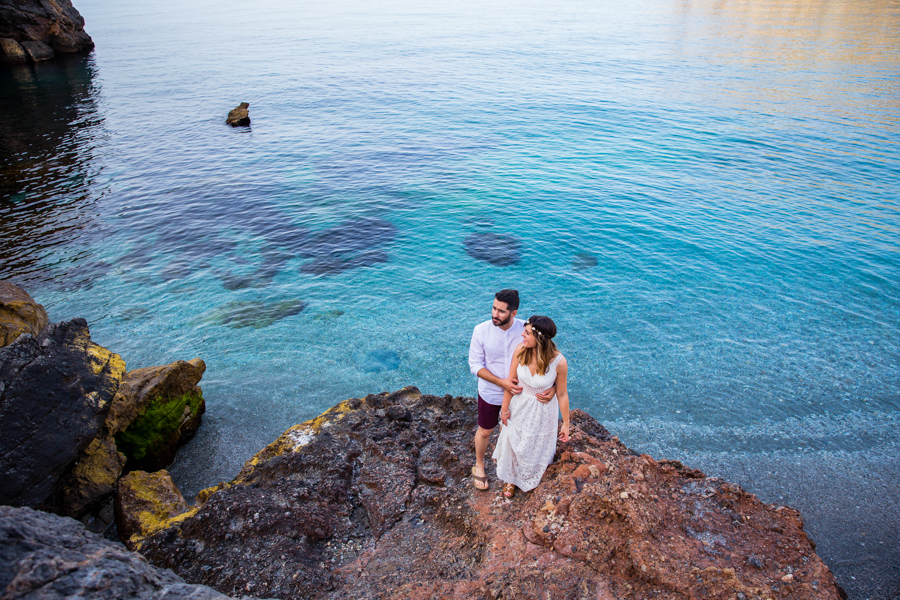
(356, 504)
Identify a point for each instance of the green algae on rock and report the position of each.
(156, 410)
(160, 427)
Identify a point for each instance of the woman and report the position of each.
(527, 442)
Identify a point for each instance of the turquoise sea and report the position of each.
(702, 194)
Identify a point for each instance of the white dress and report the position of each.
(527, 442)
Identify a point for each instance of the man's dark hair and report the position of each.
(511, 297)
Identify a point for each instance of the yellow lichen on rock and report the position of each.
(19, 314)
(92, 477)
(147, 503)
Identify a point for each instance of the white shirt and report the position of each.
(492, 349)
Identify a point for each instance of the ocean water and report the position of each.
(703, 196)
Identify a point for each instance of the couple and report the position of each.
(521, 383)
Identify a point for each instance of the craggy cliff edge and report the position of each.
(373, 499)
(36, 30)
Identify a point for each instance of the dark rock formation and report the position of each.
(55, 392)
(46, 557)
(239, 116)
(54, 24)
(495, 248)
(373, 499)
(155, 411)
(19, 314)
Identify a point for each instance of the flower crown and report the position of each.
(534, 329)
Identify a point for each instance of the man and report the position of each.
(490, 355)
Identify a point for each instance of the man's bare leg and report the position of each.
(482, 436)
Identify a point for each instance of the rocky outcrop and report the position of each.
(239, 116)
(19, 314)
(156, 410)
(373, 499)
(55, 392)
(73, 420)
(40, 28)
(49, 557)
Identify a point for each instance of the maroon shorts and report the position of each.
(488, 414)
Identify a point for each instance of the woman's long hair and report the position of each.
(544, 330)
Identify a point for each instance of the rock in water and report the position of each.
(12, 52)
(495, 248)
(55, 24)
(38, 51)
(52, 558)
(155, 411)
(239, 116)
(55, 392)
(19, 313)
(373, 499)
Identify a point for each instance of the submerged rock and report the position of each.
(239, 116)
(19, 313)
(377, 360)
(374, 499)
(332, 265)
(584, 261)
(495, 248)
(250, 313)
(55, 392)
(155, 411)
(53, 558)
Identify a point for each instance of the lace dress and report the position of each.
(527, 442)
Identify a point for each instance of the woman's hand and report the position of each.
(564, 433)
(504, 417)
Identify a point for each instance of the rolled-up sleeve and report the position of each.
(476, 353)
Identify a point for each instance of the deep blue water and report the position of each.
(703, 196)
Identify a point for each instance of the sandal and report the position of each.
(509, 490)
(482, 479)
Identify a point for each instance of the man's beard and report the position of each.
(500, 323)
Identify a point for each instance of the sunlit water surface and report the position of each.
(703, 196)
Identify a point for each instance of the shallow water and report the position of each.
(702, 195)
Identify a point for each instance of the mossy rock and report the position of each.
(151, 440)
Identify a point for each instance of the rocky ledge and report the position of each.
(373, 499)
(36, 30)
(49, 557)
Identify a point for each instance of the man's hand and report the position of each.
(511, 385)
(547, 395)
